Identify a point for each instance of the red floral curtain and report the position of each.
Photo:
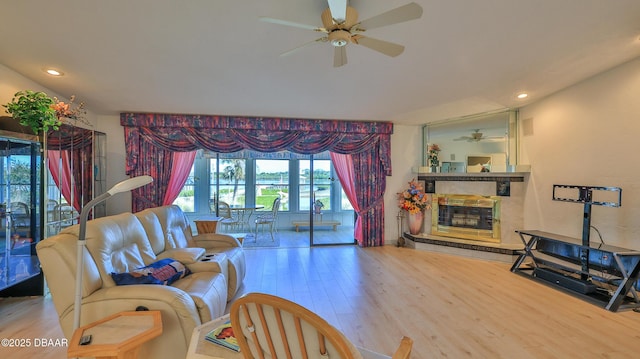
(60, 169)
(151, 140)
(370, 183)
(181, 167)
(69, 154)
(343, 164)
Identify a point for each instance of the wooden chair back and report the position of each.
(270, 327)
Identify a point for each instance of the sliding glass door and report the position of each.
(320, 197)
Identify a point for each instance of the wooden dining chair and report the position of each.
(271, 327)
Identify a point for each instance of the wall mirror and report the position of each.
(480, 143)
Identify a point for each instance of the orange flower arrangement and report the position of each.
(414, 199)
(64, 110)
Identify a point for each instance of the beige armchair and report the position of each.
(271, 327)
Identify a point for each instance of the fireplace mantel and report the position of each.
(502, 179)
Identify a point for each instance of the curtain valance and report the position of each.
(226, 134)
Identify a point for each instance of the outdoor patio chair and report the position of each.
(269, 219)
(229, 221)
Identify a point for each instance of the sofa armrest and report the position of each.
(216, 241)
(127, 297)
(179, 314)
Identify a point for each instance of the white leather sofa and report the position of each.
(125, 242)
(176, 233)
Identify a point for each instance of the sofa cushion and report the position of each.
(117, 244)
(175, 227)
(165, 271)
(208, 291)
(154, 230)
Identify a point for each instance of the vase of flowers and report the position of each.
(434, 162)
(69, 111)
(414, 200)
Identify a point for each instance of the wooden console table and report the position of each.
(118, 336)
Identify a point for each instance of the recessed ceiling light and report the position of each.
(523, 95)
(54, 72)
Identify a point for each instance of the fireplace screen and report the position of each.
(466, 216)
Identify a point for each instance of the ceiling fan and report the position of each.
(477, 136)
(341, 26)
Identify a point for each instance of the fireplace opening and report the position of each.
(466, 216)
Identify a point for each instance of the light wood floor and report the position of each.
(453, 307)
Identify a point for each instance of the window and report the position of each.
(322, 181)
(245, 182)
(272, 180)
(229, 181)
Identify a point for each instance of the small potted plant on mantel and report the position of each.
(34, 110)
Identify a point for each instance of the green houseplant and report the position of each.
(34, 110)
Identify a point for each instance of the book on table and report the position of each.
(223, 336)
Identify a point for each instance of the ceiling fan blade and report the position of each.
(403, 13)
(322, 39)
(340, 56)
(493, 139)
(292, 24)
(385, 47)
(338, 10)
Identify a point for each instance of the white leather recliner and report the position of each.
(120, 244)
(177, 235)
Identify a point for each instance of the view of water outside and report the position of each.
(232, 178)
(322, 184)
(272, 179)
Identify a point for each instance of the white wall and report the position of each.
(406, 153)
(115, 161)
(588, 134)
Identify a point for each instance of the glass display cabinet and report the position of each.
(20, 214)
(39, 197)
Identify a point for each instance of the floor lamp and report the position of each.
(124, 186)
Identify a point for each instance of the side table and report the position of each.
(207, 224)
(118, 336)
(200, 348)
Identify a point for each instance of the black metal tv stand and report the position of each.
(602, 273)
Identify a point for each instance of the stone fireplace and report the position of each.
(464, 216)
(478, 219)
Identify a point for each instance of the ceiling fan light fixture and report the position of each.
(339, 38)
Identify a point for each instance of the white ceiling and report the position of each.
(214, 57)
